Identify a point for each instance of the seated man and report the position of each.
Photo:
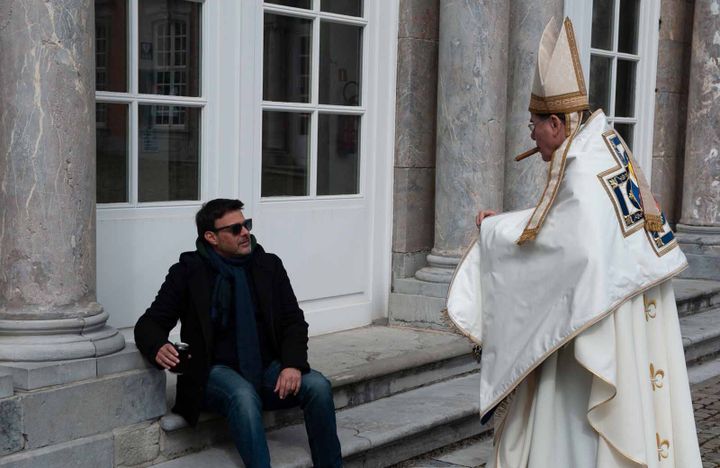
(247, 338)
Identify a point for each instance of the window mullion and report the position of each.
(133, 47)
(312, 189)
(133, 153)
(314, 99)
(616, 25)
(133, 87)
(613, 86)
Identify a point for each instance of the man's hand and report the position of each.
(167, 356)
(482, 214)
(288, 382)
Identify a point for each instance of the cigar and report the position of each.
(527, 154)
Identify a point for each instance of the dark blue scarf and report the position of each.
(232, 287)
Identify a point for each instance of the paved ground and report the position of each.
(706, 401)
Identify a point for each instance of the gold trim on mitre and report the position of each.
(559, 85)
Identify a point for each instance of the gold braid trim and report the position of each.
(445, 318)
(556, 172)
(528, 235)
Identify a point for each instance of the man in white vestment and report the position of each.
(572, 301)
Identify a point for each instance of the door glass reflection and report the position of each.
(287, 50)
(340, 64)
(285, 153)
(338, 154)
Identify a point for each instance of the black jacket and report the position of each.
(186, 295)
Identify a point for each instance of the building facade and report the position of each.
(362, 136)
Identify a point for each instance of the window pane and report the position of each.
(168, 153)
(338, 154)
(600, 73)
(169, 47)
(111, 45)
(285, 154)
(340, 64)
(307, 4)
(602, 24)
(627, 132)
(625, 89)
(628, 26)
(112, 152)
(343, 7)
(287, 49)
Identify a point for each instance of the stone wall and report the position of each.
(671, 93)
(414, 187)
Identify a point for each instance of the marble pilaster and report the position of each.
(675, 35)
(524, 181)
(47, 184)
(471, 103)
(416, 95)
(699, 227)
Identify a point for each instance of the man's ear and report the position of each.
(210, 237)
(558, 125)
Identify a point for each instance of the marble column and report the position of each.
(47, 184)
(524, 180)
(699, 227)
(471, 103)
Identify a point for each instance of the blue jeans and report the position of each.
(229, 394)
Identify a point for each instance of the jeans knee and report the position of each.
(318, 387)
(244, 403)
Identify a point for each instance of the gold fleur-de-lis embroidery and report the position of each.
(663, 447)
(656, 377)
(650, 309)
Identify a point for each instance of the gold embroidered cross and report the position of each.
(656, 377)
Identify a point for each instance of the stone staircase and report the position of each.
(402, 392)
(399, 392)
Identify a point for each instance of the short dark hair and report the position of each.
(212, 210)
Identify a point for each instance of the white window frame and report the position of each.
(134, 99)
(314, 108)
(580, 12)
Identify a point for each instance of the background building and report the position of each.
(363, 136)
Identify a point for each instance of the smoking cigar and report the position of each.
(527, 154)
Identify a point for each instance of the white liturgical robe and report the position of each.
(580, 322)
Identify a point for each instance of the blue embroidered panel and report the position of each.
(622, 186)
(621, 183)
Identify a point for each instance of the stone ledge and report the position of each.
(701, 335)
(417, 311)
(36, 375)
(6, 384)
(693, 296)
(421, 288)
(89, 452)
(67, 412)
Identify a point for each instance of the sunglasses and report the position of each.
(236, 228)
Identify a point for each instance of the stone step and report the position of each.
(388, 345)
(472, 453)
(695, 296)
(363, 365)
(701, 335)
(378, 433)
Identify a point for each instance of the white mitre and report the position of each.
(559, 86)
